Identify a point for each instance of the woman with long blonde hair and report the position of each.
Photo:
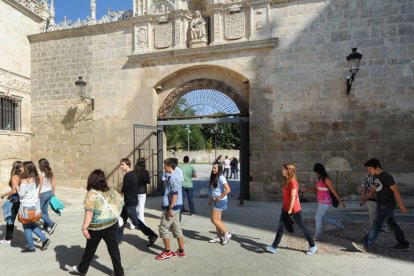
(291, 210)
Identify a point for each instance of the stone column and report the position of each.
(92, 20)
(217, 25)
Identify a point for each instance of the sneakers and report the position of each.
(50, 230)
(6, 242)
(165, 255)
(215, 240)
(151, 240)
(28, 250)
(312, 250)
(76, 270)
(359, 246)
(131, 226)
(226, 238)
(179, 254)
(270, 249)
(45, 244)
(401, 246)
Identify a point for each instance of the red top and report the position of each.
(287, 195)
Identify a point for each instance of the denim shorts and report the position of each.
(221, 205)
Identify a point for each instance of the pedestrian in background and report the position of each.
(13, 201)
(388, 197)
(324, 190)
(219, 191)
(171, 205)
(188, 189)
(29, 211)
(129, 191)
(47, 190)
(291, 207)
(371, 202)
(226, 166)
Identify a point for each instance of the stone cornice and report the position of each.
(214, 50)
(11, 83)
(26, 11)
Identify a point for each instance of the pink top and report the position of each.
(323, 195)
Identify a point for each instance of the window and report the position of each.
(9, 114)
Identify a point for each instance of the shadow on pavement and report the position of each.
(70, 256)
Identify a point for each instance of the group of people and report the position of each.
(379, 187)
(107, 210)
(28, 200)
(230, 166)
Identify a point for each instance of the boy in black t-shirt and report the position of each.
(388, 196)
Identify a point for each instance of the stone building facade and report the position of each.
(281, 61)
(17, 21)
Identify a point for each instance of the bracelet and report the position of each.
(83, 229)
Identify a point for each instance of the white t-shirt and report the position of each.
(226, 163)
(28, 193)
(46, 184)
(216, 192)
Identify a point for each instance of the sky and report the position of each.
(74, 9)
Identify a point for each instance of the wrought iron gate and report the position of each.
(148, 144)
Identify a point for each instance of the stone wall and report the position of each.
(308, 116)
(296, 93)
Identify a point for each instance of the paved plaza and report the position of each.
(253, 226)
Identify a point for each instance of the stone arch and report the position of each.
(224, 80)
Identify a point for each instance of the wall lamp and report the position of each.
(353, 61)
(81, 85)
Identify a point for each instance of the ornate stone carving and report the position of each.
(198, 31)
(141, 37)
(234, 24)
(163, 35)
(10, 82)
(260, 18)
(161, 6)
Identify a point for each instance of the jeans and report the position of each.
(109, 236)
(11, 220)
(29, 229)
(234, 173)
(130, 212)
(141, 206)
(189, 193)
(298, 219)
(372, 212)
(384, 214)
(226, 172)
(44, 205)
(321, 218)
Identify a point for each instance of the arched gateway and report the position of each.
(220, 88)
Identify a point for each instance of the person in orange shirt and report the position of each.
(291, 209)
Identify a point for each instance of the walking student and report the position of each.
(388, 197)
(226, 165)
(102, 206)
(13, 201)
(324, 187)
(371, 202)
(171, 205)
(130, 191)
(143, 181)
(47, 190)
(188, 188)
(29, 211)
(291, 207)
(219, 191)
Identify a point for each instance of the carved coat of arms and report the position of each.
(234, 25)
(163, 35)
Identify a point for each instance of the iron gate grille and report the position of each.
(148, 144)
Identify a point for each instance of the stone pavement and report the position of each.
(253, 226)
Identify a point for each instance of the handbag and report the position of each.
(335, 202)
(28, 215)
(120, 220)
(289, 223)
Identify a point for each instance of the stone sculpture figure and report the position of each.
(198, 27)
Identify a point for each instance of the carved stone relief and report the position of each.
(10, 83)
(141, 38)
(163, 35)
(161, 6)
(234, 24)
